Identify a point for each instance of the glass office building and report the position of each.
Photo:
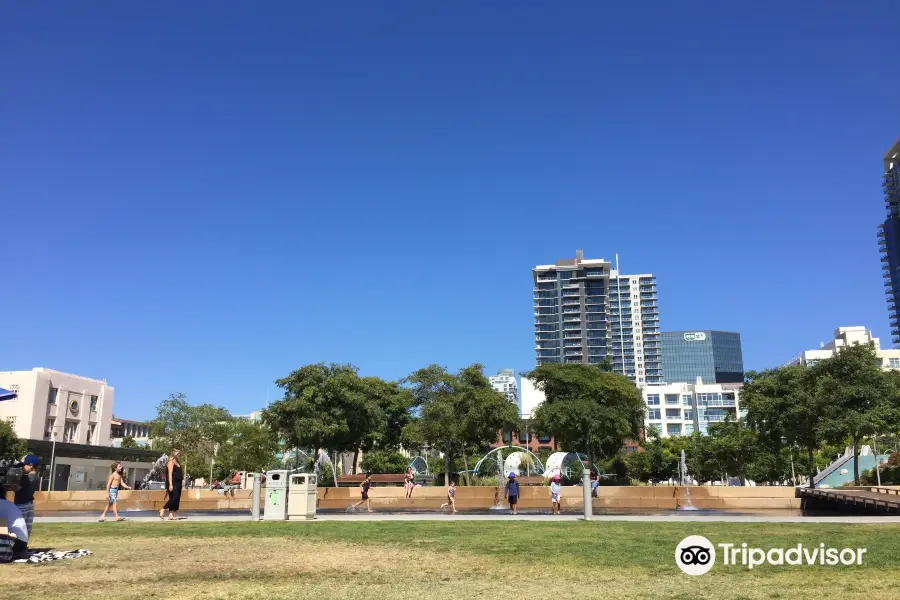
(714, 356)
(889, 238)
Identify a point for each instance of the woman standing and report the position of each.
(409, 482)
(175, 480)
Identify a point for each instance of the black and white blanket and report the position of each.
(42, 556)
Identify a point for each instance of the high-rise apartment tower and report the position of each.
(585, 311)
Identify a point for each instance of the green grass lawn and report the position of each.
(439, 559)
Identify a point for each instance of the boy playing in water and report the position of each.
(364, 488)
(555, 491)
(451, 498)
(113, 484)
(512, 492)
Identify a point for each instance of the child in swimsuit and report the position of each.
(364, 489)
(451, 498)
(113, 484)
(555, 493)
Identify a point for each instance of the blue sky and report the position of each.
(202, 198)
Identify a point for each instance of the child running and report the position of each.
(512, 493)
(113, 484)
(364, 488)
(451, 498)
(555, 491)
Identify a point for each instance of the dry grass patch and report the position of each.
(175, 565)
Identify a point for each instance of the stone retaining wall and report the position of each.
(392, 498)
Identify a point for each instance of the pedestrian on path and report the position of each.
(451, 498)
(113, 483)
(364, 489)
(512, 493)
(555, 493)
(175, 481)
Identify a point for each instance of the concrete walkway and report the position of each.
(498, 517)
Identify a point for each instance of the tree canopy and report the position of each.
(457, 411)
(198, 431)
(587, 408)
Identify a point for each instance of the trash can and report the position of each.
(276, 496)
(302, 496)
(247, 479)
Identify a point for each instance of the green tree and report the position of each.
(324, 407)
(129, 442)
(587, 408)
(10, 444)
(384, 461)
(395, 405)
(785, 410)
(457, 411)
(861, 397)
(249, 447)
(198, 431)
(733, 445)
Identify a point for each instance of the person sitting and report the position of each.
(15, 525)
(594, 485)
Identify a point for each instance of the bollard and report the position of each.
(257, 492)
(588, 504)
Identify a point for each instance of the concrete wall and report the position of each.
(431, 497)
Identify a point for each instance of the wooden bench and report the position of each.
(387, 479)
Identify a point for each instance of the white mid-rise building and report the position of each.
(684, 408)
(505, 383)
(849, 336)
(78, 410)
(531, 397)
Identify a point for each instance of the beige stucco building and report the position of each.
(849, 336)
(78, 410)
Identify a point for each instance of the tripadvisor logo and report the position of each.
(696, 555)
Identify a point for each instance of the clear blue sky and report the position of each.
(202, 198)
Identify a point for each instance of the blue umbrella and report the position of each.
(7, 395)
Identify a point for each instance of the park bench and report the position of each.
(383, 479)
(530, 480)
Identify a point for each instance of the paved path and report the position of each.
(501, 517)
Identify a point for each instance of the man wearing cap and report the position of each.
(24, 499)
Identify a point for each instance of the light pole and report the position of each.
(53, 429)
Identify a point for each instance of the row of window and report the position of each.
(53, 396)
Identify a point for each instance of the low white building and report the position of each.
(139, 431)
(78, 410)
(684, 408)
(505, 383)
(849, 336)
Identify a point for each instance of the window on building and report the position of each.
(894, 363)
(687, 400)
(544, 439)
(52, 395)
(11, 421)
(653, 400)
(524, 438)
(71, 432)
(48, 430)
(688, 428)
(653, 414)
(93, 403)
(673, 413)
(673, 428)
(672, 399)
(14, 388)
(90, 435)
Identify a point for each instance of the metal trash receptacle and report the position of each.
(276, 496)
(302, 493)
